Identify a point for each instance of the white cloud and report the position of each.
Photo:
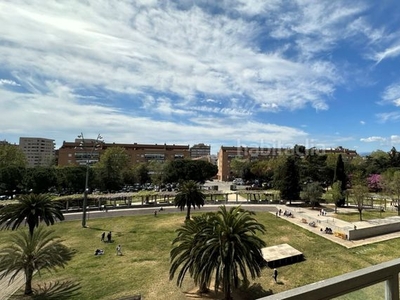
(390, 116)
(395, 139)
(137, 48)
(387, 53)
(8, 82)
(362, 122)
(373, 139)
(392, 94)
(175, 70)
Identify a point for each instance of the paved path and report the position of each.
(330, 221)
(7, 290)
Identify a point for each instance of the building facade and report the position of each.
(227, 154)
(38, 151)
(200, 150)
(77, 153)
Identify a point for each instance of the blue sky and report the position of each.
(239, 72)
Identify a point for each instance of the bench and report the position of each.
(341, 235)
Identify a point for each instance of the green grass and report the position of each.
(146, 243)
(366, 215)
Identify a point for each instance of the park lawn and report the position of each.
(367, 214)
(146, 243)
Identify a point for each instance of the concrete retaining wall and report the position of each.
(363, 233)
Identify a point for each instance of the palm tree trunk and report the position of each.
(188, 212)
(228, 292)
(28, 281)
(203, 288)
(31, 228)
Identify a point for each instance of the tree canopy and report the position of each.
(223, 246)
(189, 195)
(184, 170)
(12, 155)
(29, 253)
(32, 209)
(287, 180)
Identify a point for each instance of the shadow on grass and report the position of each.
(254, 291)
(56, 290)
(96, 228)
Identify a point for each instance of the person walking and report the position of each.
(275, 275)
(119, 250)
(109, 237)
(103, 235)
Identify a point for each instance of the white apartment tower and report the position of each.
(38, 151)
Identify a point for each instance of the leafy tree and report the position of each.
(312, 192)
(299, 150)
(189, 195)
(313, 168)
(391, 185)
(359, 192)
(184, 170)
(111, 166)
(141, 172)
(340, 176)
(240, 167)
(287, 180)
(394, 158)
(262, 170)
(356, 164)
(374, 182)
(71, 179)
(11, 155)
(29, 253)
(377, 162)
(222, 246)
(337, 194)
(11, 178)
(40, 179)
(156, 171)
(32, 209)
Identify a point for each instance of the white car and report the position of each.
(238, 181)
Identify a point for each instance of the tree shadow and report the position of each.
(250, 292)
(56, 290)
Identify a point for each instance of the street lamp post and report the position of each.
(96, 144)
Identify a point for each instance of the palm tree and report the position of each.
(189, 195)
(188, 241)
(34, 208)
(30, 253)
(225, 247)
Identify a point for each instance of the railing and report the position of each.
(387, 272)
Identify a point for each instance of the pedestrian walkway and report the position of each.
(322, 221)
(7, 290)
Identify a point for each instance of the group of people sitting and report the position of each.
(328, 230)
(99, 252)
(288, 213)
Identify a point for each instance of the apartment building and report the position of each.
(200, 150)
(38, 151)
(226, 154)
(79, 153)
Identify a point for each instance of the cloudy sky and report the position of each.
(231, 72)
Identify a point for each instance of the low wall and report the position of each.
(362, 233)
